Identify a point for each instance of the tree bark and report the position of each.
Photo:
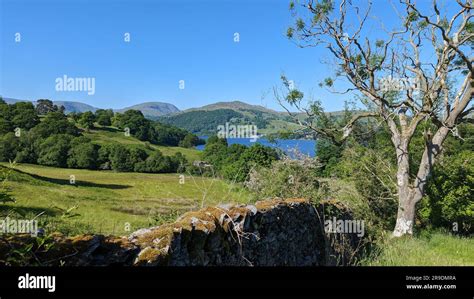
(409, 195)
(406, 202)
(405, 216)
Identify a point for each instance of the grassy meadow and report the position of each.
(109, 202)
(428, 249)
(107, 135)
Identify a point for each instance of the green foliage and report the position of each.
(169, 135)
(236, 161)
(286, 178)
(328, 155)
(56, 141)
(24, 115)
(44, 106)
(5, 194)
(139, 126)
(202, 122)
(19, 115)
(189, 141)
(104, 117)
(87, 120)
(120, 158)
(449, 197)
(8, 146)
(82, 154)
(55, 123)
(53, 151)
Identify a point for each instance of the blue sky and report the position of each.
(170, 41)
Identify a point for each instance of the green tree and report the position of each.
(9, 144)
(104, 117)
(53, 151)
(120, 158)
(82, 154)
(55, 123)
(87, 120)
(449, 198)
(45, 106)
(24, 115)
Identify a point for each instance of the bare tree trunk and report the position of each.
(410, 195)
(405, 216)
(406, 202)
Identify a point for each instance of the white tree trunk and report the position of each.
(405, 217)
(410, 195)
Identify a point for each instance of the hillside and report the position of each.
(149, 109)
(234, 105)
(106, 135)
(108, 202)
(204, 120)
(69, 106)
(152, 109)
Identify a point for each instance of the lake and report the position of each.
(303, 146)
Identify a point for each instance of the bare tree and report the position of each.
(420, 71)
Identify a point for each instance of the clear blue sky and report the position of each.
(170, 41)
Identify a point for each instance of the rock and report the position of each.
(269, 233)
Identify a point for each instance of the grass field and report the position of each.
(109, 202)
(429, 249)
(107, 135)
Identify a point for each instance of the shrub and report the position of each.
(120, 158)
(87, 120)
(8, 147)
(449, 195)
(373, 174)
(53, 151)
(83, 154)
(286, 178)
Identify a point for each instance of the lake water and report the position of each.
(303, 146)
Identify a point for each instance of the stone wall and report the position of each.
(269, 233)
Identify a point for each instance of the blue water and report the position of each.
(303, 146)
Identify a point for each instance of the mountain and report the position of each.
(152, 109)
(149, 109)
(235, 105)
(11, 101)
(68, 105)
(205, 120)
(76, 107)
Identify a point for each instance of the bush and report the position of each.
(286, 179)
(83, 154)
(53, 151)
(55, 123)
(373, 173)
(449, 195)
(87, 120)
(120, 158)
(239, 161)
(157, 163)
(8, 147)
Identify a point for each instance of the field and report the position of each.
(108, 135)
(108, 202)
(428, 249)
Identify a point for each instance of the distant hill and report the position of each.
(76, 107)
(69, 106)
(205, 120)
(149, 109)
(152, 109)
(235, 105)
